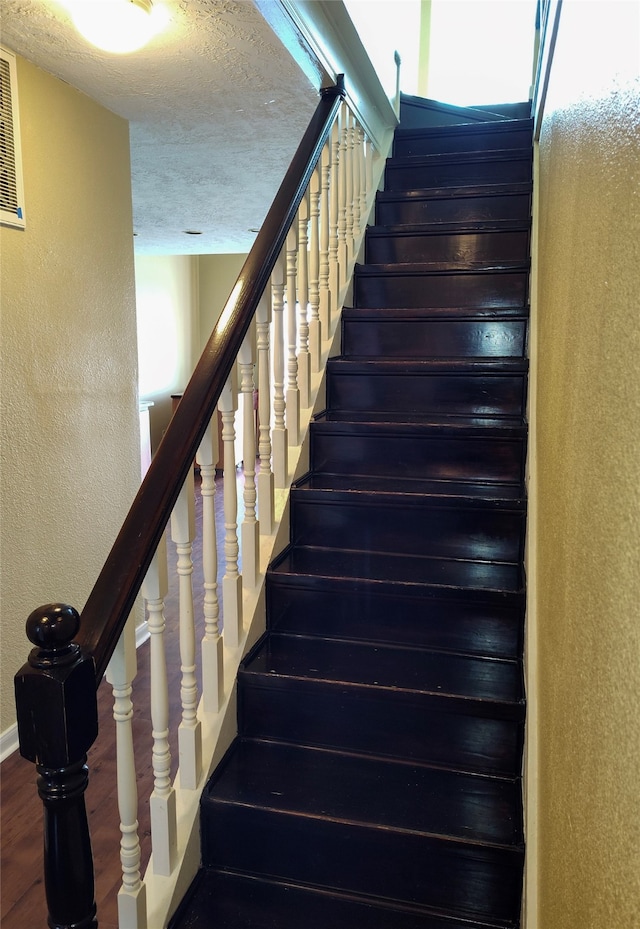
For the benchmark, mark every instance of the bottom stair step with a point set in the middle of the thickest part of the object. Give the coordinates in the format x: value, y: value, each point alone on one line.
x: 221, y: 900
x: 337, y: 822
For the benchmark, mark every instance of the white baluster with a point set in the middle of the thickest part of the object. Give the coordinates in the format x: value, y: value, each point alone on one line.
x: 183, y: 531
x: 232, y: 581
x: 350, y: 188
x: 325, y: 290
x: 212, y: 648
x: 334, y: 218
x: 363, y: 179
x: 355, y: 135
x: 279, y: 434
x: 121, y: 672
x: 369, y: 170
x: 293, y: 392
x: 250, y: 528
x: 315, y: 329
x: 162, y: 802
x: 304, y: 359
x: 266, y: 502
x: 343, y: 245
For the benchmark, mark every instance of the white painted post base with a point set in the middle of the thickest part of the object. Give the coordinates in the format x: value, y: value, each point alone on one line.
x: 266, y: 502
x: 304, y: 381
x: 190, y: 754
x: 315, y: 345
x: 280, y: 443
x: 213, y: 680
x: 132, y: 909
x: 232, y: 609
x: 292, y: 415
x: 163, y: 832
x: 250, y: 553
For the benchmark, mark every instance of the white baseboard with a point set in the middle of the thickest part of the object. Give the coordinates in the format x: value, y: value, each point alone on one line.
x: 8, y: 741
x: 142, y: 633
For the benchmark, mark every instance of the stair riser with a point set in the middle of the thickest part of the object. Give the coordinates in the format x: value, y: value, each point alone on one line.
x: 400, y: 176
x: 362, y: 612
x: 410, y: 456
x: 447, y: 731
x: 431, y: 142
x: 433, y: 338
x: 411, y: 528
x: 454, y: 247
x: 464, y: 289
x: 469, y: 394
x: 459, y: 209
x: 350, y: 858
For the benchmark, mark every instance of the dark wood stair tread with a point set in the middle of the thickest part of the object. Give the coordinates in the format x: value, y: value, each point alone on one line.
x: 460, y: 190
x: 348, y: 422
x: 461, y: 158
x: 243, y: 901
x: 436, y: 492
x: 411, y: 572
x: 412, y: 313
x: 359, y: 789
x: 463, y: 227
x: 441, y: 268
x: 363, y: 364
x: 283, y: 657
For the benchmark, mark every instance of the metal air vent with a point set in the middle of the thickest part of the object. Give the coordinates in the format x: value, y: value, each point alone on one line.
x: 11, y: 187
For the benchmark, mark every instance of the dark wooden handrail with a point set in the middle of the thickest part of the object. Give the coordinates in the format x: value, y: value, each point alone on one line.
x: 114, y: 593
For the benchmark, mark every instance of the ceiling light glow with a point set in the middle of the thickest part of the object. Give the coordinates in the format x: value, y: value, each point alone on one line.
x: 118, y: 26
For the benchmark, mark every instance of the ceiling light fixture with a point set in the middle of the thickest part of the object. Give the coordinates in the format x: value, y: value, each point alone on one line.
x: 118, y: 26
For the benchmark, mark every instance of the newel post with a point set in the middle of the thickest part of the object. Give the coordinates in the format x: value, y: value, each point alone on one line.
x: 57, y: 724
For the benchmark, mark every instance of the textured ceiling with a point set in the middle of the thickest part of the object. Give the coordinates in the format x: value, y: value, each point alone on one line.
x: 216, y: 106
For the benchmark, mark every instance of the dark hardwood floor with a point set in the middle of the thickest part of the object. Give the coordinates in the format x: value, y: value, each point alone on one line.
x: 22, y: 891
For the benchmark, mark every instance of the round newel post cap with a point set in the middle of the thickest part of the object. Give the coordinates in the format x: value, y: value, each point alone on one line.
x: 52, y: 628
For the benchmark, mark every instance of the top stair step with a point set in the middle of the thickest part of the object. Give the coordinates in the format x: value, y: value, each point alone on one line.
x: 420, y: 112
x: 457, y: 169
x: 499, y: 135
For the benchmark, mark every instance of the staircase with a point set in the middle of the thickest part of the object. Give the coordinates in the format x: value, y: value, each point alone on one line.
x: 376, y: 778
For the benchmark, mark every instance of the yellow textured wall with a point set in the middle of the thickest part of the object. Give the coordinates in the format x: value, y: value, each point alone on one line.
x: 167, y: 315
x: 217, y: 275
x: 588, y: 471
x: 70, y: 455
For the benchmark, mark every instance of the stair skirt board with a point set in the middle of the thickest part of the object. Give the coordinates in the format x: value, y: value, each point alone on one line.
x: 375, y: 782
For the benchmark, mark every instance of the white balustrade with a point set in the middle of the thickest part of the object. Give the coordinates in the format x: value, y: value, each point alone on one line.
x: 163, y: 798
x: 266, y: 502
x: 121, y: 672
x: 250, y: 528
x: 232, y: 580
x: 293, y: 391
x: 212, y: 646
x: 281, y: 361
